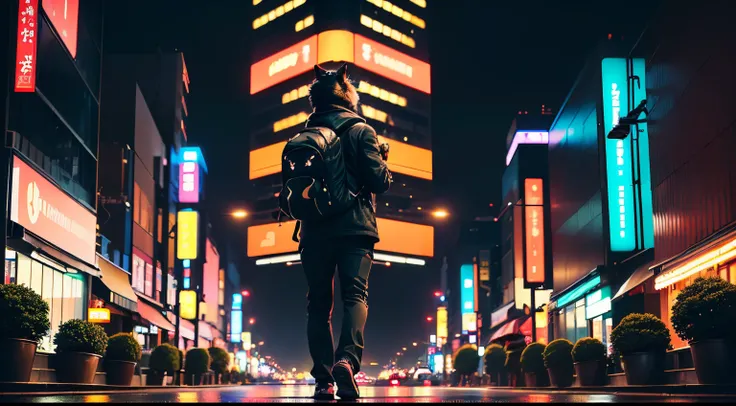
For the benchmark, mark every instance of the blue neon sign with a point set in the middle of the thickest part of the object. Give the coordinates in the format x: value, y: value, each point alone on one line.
x: 623, y: 210
x: 467, y: 289
x: 237, y: 301
x: 236, y: 325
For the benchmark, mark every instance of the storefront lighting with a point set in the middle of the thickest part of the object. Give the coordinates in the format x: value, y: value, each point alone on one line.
x: 701, y: 263
x: 377, y: 257
x: 578, y: 292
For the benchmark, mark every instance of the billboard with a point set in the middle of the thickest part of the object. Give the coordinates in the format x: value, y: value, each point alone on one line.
x: 405, y: 159
x: 467, y: 297
x: 623, y: 212
x: 392, y: 64
x: 236, y: 326
x: 188, y: 304
x: 534, y: 253
x: 45, y: 210
x: 64, y: 15
x: 187, y: 239
x: 25, y: 56
x: 189, y: 182
x: 396, y: 237
x: 211, y: 280
x: 286, y: 64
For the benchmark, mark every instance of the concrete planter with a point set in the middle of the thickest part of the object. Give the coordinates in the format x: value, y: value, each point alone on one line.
x: 16, y: 359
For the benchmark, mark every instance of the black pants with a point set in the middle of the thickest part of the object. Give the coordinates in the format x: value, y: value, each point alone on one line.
x: 353, y: 260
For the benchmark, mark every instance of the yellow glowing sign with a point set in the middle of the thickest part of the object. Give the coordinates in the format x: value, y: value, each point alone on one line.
x: 384, y: 29
x: 187, y: 235
x: 188, y: 304
x: 98, y: 315
x: 245, y: 337
x: 442, y: 323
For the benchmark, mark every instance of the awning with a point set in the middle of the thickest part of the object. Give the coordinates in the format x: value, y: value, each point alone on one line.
x: 641, y: 275
x: 116, y: 279
x: 204, y: 330
x: 59, y: 255
x: 186, y: 329
x: 154, y: 316
x: 718, y: 248
x: 501, y: 314
x: 577, y: 290
x: 521, y: 326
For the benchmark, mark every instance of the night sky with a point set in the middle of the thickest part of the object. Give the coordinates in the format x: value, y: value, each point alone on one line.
x: 489, y: 59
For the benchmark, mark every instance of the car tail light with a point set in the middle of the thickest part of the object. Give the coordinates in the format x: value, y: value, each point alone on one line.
x: 394, y: 382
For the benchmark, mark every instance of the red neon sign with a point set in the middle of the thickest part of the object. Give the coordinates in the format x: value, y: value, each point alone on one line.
x: 534, y: 230
x: 392, y: 64
x: 25, y: 55
x: 292, y: 61
x: 64, y: 15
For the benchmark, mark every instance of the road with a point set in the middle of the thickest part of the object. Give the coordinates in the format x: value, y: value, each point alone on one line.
x: 300, y: 394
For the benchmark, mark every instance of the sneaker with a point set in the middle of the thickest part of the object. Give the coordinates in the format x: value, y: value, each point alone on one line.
x: 347, y: 388
x: 324, y: 392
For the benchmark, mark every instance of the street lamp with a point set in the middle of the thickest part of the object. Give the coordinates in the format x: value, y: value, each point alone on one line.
x: 429, y: 319
x: 245, y: 293
x: 403, y: 348
x: 414, y: 344
x: 239, y: 214
x: 252, y: 321
x: 440, y: 213
x: 437, y: 293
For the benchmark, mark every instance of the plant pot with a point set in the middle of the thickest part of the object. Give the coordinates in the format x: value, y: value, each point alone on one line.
x: 76, y: 367
x: 712, y: 360
x: 155, y: 378
x: 536, y: 379
x: 119, y: 372
x: 590, y: 373
x: 560, y: 377
x: 16, y: 358
x: 644, y: 368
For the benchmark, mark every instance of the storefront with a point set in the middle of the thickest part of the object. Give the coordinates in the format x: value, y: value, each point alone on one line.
x: 715, y: 256
x: 154, y: 328
x: 51, y: 246
x: 113, y: 292
x: 583, y: 310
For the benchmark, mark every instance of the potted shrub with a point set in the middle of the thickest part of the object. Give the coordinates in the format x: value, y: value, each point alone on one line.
x: 704, y: 315
x: 642, y: 340
x: 79, y: 347
x: 532, y: 363
x: 122, y: 355
x: 589, y: 355
x: 465, y: 360
x: 558, y: 361
x: 513, y: 362
x: 197, y: 364
x: 24, y: 321
x: 220, y: 361
x: 495, y: 359
x: 165, y: 361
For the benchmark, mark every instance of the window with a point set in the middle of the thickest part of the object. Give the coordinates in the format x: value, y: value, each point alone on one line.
x: 138, y: 273
x: 295, y: 94
x: 64, y: 292
x: 375, y: 114
x: 394, y: 34
x: 290, y: 121
x: 379, y: 93
x: 142, y: 209
x: 276, y: 13
x: 159, y: 278
x: 398, y: 12
x: 581, y: 324
x: 136, y: 203
x: 305, y: 23
x: 149, y: 280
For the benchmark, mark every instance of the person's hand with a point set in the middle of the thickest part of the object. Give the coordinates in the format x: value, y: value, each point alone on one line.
x: 384, y: 151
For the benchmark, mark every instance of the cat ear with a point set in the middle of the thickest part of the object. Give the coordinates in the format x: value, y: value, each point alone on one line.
x: 319, y: 72
x: 342, y: 73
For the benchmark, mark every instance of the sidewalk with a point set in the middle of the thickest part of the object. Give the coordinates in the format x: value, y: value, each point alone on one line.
x: 51, y: 388
x: 689, y: 389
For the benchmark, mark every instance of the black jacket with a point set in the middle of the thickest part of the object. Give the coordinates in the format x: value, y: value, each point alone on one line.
x: 366, y: 171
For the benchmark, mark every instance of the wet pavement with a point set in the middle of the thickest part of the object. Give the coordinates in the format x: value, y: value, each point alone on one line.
x: 300, y: 394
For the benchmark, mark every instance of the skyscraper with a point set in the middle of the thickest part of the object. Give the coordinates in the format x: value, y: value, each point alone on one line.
x: 386, y: 46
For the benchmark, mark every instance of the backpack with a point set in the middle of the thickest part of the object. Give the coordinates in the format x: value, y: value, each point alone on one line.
x: 315, y: 183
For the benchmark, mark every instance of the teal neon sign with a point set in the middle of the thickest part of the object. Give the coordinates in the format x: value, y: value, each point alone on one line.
x: 579, y: 291
x: 630, y: 226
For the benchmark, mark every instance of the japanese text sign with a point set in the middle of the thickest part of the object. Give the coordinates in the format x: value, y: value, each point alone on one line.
x: 25, y: 56
x: 187, y: 236
x: 534, y: 231
x: 292, y: 61
x: 392, y: 64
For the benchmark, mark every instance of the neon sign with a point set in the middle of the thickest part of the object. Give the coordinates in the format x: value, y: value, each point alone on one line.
x: 534, y: 231
x: 526, y: 137
x: 467, y: 297
x: 187, y: 235
x: 25, y: 56
x: 623, y: 213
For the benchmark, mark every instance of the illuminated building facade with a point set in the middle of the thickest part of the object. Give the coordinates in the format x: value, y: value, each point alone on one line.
x: 385, y: 43
x: 525, y: 234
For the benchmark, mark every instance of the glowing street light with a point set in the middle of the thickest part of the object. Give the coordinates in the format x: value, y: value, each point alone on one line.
x: 239, y: 214
x: 440, y: 213
x: 403, y: 348
x: 430, y: 318
x: 437, y: 294
x: 245, y: 293
x: 414, y: 344
x: 252, y: 321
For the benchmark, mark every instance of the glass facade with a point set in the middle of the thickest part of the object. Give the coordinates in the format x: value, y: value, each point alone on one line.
x: 64, y: 292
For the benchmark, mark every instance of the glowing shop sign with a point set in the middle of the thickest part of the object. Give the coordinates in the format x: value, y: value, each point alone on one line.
x: 188, y: 304
x: 236, y: 326
x: 534, y: 231
x: 187, y: 236
x: 98, y: 315
x: 622, y: 211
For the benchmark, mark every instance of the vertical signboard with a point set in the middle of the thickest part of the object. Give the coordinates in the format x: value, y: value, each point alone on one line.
x: 236, y: 325
x: 467, y: 297
x: 64, y: 15
x: 25, y: 56
x: 484, y: 269
x: 247, y: 342
x: 534, y: 271
x: 188, y: 304
x: 187, y: 223
x: 627, y: 214
x: 442, y: 323
x: 189, y: 182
